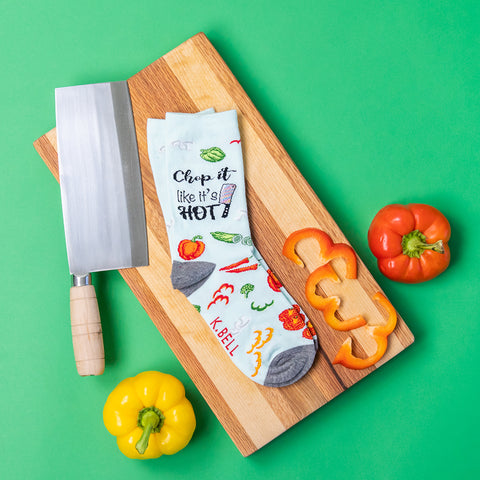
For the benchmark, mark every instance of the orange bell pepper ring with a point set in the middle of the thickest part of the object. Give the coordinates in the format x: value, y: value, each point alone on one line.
x: 328, y: 249
x: 379, y: 332
x: 329, y: 305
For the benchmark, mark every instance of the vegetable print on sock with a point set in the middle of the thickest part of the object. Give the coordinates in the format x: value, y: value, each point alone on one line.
x: 214, y: 262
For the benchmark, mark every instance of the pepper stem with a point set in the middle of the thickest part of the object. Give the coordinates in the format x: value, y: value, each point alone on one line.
x: 413, y: 244
x: 151, y: 420
x: 194, y: 239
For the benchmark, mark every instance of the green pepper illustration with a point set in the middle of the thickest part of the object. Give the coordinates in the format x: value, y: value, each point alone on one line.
x: 226, y: 237
x: 212, y: 154
x: 258, y: 308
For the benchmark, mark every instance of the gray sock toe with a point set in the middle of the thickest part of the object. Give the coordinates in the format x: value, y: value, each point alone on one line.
x: 289, y: 366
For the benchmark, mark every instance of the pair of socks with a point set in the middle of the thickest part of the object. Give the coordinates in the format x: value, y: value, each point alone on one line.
x: 197, y: 165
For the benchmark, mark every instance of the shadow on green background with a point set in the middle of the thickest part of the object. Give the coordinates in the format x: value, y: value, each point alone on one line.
x: 376, y: 102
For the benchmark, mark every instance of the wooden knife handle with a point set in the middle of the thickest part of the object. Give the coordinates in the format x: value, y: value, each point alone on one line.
x: 86, y: 331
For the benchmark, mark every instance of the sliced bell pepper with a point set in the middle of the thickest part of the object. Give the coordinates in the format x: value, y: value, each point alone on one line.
x: 328, y: 249
x: 380, y: 334
x: 329, y: 305
x: 389, y: 327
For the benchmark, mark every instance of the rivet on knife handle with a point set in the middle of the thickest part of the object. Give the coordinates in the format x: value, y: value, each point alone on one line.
x: 86, y: 327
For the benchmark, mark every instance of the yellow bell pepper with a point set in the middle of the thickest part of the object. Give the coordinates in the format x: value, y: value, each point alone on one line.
x: 149, y: 415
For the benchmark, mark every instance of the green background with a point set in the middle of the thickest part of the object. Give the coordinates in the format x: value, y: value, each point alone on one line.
x: 377, y: 102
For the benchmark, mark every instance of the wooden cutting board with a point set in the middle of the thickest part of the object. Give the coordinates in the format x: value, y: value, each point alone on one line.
x: 190, y: 78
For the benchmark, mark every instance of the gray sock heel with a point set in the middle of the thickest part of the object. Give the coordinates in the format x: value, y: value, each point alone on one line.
x: 190, y: 276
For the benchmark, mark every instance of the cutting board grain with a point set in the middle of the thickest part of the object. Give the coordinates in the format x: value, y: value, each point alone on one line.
x: 190, y: 78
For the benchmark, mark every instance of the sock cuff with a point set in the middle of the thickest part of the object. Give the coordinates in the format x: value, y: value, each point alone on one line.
x: 225, y: 122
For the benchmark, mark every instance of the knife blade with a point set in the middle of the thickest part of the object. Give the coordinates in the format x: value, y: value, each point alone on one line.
x: 102, y: 201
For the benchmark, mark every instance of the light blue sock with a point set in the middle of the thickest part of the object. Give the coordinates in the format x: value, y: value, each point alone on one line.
x: 198, y: 169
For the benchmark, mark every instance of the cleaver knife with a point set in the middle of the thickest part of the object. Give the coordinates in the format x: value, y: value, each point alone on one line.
x: 102, y: 201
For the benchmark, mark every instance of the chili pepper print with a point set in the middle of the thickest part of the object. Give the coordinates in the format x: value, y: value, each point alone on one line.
x: 257, y: 341
x: 379, y: 333
x: 256, y: 346
x: 292, y: 318
x: 235, y: 141
x: 224, y: 286
x: 236, y: 264
x: 259, y: 308
x: 258, y: 363
x: 243, y: 269
x: 233, y: 267
x: 328, y: 249
x: 259, y: 335
x: 268, y: 337
x: 218, y: 296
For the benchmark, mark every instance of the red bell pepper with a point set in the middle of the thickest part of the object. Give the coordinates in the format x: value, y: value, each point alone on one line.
x: 410, y: 242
